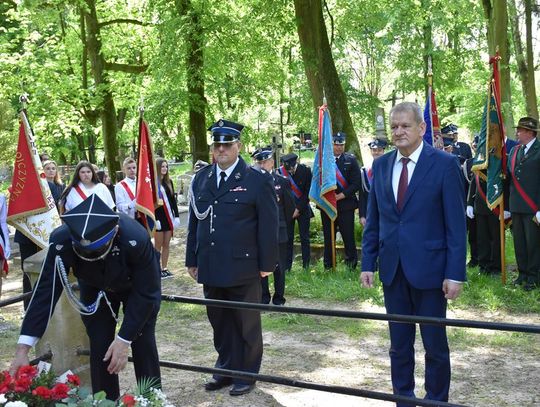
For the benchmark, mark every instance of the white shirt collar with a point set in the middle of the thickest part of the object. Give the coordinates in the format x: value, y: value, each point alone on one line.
x: 130, y: 181
x: 415, y: 155
x: 228, y: 171
x: 529, y: 144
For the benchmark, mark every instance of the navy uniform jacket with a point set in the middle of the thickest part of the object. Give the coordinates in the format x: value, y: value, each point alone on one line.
x: 462, y: 150
x: 131, y: 269
x: 286, y: 206
x: 348, y: 165
x: 239, y: 238
x: 302, y: 178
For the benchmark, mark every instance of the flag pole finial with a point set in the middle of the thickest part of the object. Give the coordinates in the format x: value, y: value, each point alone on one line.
x: 324, y: 101
x: 23, y: 99
x: 141, y: 107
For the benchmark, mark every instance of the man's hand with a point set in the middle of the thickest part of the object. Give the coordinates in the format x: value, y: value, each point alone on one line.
x: 264, y: 273
x: 451, y: 289
x: 20, y: 359
x: 192, y: 271
x: 366, y: 278
x: 363, y: 221
x: 507, y: 215
x: 296, y: 214
x: 340, y: 196
x: 118, y: 356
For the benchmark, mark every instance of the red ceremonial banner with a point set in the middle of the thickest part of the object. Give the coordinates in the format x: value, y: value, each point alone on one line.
x: 147, y: 188
x: 25, y: 197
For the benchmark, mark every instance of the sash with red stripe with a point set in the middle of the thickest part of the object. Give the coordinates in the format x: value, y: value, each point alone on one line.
x: 341, y: 179
x: 128, y: 189
x: 80, y: 192
x: 296, y: 191
x: 518, y: 186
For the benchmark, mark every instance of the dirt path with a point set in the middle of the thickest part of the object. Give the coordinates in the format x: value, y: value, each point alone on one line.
x: 486, y: 372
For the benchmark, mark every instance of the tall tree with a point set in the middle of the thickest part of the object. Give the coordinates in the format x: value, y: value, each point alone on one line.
x: 524, y: 59
x: 193, y: 36
x: 320, y: 68
x: 496, y: 15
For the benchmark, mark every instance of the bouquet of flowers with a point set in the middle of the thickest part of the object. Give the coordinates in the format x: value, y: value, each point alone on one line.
x: 28, y: 388
x: 31, y: 388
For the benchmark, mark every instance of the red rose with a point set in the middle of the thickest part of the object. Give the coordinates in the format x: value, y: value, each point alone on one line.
x: 74, y: 379
x: 5, y: 382
x: 128, y: 400
x: 43, y: 392
x: 22, y: 384
x: 26, y: 371
x: 59, y: 391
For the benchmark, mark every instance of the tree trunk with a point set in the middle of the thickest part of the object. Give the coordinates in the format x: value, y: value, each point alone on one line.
x: 530, y: 92
x: 497, y: 26
x: 193, y: 35
x: 107, y: 110
x: 320, y: 69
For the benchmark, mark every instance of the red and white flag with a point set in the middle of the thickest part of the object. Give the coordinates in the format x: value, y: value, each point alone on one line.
x: 147, y: 188
x: 31, y: 207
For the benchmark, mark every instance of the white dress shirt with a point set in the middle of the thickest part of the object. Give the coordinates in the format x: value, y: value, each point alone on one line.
x: 528, y: 145
x: 398, y: 166
x: 228, y: 172
x: 74, y: 198
x: 124, y: 203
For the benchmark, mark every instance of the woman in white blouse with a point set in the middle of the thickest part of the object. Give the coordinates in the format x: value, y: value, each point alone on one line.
x: 84, y: 183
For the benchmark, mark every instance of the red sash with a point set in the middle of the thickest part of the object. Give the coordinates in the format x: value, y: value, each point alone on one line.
x: 80, y: 192
x: 296, y: 191
x: 128, y: 189
x: 341, y: 179
x: 518, y: 186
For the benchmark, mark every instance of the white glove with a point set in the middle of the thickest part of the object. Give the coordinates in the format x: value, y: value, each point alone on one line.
x: 470, y: 212
x: 176, y: 223
x: 507, y: 215
x: 158, y: 225
x: 538, y: 216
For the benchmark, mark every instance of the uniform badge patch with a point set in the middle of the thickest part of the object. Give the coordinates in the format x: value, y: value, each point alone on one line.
x: 133, y: 243
x: 59, y: 247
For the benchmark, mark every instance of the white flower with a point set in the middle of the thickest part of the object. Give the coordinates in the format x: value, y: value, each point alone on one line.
x: 3, y: 399
x: 16, y: 404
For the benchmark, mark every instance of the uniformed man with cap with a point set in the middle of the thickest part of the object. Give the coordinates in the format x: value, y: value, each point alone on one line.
x: 459, y: 148
x: 348, y: 182
x: 299, y: 176
x: 115, y: 264
x: 524, y: 175
x: 264, y: 158
x: 232, y: 242
x: 376, y: 148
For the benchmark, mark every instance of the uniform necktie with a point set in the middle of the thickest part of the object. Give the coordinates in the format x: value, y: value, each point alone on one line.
x: 222, y: 176
x: 403, y: 182
x: 521, y: 151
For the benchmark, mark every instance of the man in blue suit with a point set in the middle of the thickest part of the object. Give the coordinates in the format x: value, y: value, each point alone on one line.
x: 416, y: 230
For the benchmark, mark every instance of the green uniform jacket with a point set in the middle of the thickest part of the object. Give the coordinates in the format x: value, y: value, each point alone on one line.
x: 527, y: 173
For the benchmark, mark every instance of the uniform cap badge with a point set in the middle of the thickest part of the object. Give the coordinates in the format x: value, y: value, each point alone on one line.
x: 133, y: 243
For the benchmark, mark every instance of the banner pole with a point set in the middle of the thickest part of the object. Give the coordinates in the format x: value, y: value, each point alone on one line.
x: 502, y: 239
x: 333, y: 235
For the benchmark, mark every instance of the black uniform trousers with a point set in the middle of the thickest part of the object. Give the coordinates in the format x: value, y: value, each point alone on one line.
x: 489, y: 243
x: 345, y: 224
x: 472, y: 239
x: 303, y: 231
x: 27, y: 250
x: 527, y: 246
x: 237, y: 332
x: 279, y: 279
x: 100, y: 328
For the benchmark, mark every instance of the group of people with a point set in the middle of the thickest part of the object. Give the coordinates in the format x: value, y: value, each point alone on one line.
x: 411, y: 202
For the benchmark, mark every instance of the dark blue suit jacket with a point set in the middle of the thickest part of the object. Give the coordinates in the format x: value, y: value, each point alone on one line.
x: 429, y: 236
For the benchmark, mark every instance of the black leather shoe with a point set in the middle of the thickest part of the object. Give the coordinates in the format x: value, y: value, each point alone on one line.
x: 472, y: 263
x: 214, y: 384
x: 518, y: 281
x: 529, y: 286
x: 241, y: 389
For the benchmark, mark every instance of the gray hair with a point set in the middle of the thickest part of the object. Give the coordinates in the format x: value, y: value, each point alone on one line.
x: 406, y: 107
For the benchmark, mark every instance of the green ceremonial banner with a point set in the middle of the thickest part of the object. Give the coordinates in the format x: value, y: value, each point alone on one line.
x: 488, y: 161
